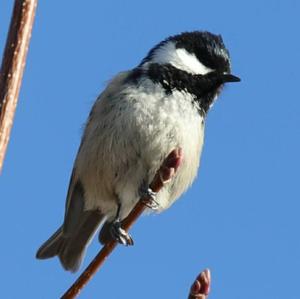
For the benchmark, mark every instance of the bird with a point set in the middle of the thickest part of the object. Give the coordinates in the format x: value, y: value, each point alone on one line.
x: 140, y: 117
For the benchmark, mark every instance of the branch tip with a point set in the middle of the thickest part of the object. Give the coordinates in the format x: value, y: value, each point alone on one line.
x: 201, y: 286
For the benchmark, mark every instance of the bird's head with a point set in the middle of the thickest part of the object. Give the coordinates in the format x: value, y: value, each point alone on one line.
x: 199, y: 57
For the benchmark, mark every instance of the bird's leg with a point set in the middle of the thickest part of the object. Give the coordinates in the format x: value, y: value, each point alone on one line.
x: 148, y: 196
x: 118, y: 233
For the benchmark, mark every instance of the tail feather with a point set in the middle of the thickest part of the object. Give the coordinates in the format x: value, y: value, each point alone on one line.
x: 70, y: 248
x: 52, y: 246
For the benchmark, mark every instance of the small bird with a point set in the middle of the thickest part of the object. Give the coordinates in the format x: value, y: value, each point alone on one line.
x: 141, y: 116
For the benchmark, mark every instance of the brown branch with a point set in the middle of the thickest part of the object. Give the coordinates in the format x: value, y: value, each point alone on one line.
x: 201, y: 286
x: 163, y: 175
x: 12, y: 68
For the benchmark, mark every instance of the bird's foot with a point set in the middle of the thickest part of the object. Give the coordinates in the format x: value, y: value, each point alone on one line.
x: 120, y: 234
x: 149, y: 198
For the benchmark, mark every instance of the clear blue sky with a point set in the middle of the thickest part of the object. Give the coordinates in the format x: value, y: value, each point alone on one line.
x: 241, y: 216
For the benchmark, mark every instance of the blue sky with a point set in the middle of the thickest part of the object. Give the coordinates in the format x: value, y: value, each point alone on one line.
x: 241, y: 216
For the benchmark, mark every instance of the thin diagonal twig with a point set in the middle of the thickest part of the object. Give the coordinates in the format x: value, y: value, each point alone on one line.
x: 163, y: 175
x: 12, y: 68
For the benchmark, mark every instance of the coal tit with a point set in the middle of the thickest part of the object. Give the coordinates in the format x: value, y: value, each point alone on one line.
x: 141, y: 116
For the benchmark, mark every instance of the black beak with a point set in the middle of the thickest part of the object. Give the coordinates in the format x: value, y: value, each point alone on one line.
x: 229, y: 78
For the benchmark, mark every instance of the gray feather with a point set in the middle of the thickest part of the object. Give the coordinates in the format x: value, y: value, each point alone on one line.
x: 52, y: 246
x: 69, y: 242
x: 73, y: 248
x: 105, y: 234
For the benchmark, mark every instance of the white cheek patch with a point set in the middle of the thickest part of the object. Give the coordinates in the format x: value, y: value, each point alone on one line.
x: 191, y: 62
x: 179, y: 58
x: 164, y: 54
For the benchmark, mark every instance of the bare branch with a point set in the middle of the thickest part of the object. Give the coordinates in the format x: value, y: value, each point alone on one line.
x: 163, y: 175
x: 12, y: 68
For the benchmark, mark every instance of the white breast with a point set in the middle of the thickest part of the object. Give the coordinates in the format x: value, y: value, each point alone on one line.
x: 166, y: 122
x: 129, y: 134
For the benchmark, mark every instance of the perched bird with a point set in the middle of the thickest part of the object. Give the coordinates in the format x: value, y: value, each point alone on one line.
x: 141, y: 116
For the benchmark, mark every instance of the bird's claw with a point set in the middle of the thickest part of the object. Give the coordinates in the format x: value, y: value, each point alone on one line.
x: 149, y: 198
x: 120, y: 235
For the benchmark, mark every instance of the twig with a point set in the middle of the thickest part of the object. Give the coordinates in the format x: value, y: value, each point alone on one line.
x: 163, y: 175
x: 201, y: 286
x: 12, y: 68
